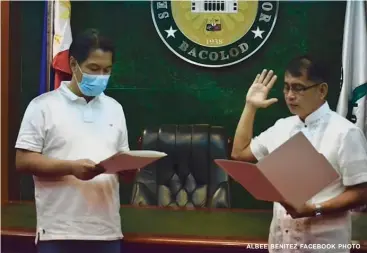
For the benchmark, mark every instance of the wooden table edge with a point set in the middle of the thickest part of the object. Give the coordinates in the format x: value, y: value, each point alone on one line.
x: 182, y: 240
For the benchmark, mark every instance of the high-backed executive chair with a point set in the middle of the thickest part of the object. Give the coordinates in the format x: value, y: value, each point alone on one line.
x: 187, y: 177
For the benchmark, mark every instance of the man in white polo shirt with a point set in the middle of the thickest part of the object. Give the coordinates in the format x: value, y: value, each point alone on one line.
x: 63, y: 135
x: 325, y: 219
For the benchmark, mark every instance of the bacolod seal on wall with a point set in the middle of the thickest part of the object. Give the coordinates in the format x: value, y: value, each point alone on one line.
x: 214, y: 33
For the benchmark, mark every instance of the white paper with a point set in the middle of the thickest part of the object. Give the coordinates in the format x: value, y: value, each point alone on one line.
x: 145, y: 153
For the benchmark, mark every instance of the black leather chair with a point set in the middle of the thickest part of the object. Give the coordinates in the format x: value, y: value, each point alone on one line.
x: 187, y: 177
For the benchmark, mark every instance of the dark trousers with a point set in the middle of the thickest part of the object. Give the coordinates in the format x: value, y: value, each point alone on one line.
x: 76, y: 246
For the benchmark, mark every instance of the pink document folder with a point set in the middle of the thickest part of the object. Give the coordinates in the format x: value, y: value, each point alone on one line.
x: 294, y: 173
x: 130, y: 160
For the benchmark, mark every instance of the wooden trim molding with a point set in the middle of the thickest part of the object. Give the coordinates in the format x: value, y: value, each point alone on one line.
x: 5, y: 9
x: 14, y: 92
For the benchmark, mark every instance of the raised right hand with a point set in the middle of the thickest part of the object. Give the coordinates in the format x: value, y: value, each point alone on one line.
x: 259, y: 90
x: 85, y: 169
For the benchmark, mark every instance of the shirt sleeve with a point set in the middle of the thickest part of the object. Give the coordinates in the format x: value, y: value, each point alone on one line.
x: 352, y: 156
x: 260, y: 144
x: 123, y: 143
x: 32, y: 132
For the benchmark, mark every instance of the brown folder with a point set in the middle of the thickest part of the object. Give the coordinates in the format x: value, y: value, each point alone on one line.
x: 294, y: 173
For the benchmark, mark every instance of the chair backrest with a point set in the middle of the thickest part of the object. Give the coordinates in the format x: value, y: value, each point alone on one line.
x: 187, y: 176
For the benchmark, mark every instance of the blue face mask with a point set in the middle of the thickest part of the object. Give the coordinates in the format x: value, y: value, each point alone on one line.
x: 93, y: 85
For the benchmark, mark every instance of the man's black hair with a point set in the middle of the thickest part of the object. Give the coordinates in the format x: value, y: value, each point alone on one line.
x: 88, y: 41
x: 313, y: 69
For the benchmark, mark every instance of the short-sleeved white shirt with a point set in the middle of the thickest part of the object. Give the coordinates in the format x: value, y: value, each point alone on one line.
x: 345, y: 147
x: 61, y: 125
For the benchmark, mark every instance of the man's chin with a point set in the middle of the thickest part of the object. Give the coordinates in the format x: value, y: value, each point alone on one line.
x: 293, y: 113
x: 296, y: 112
x: 292, y: 110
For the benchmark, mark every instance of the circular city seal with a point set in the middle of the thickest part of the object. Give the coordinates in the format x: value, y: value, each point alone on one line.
x: 214, y: 33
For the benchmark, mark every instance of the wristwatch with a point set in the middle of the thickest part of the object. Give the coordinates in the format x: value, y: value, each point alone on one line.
x: 318, y: 210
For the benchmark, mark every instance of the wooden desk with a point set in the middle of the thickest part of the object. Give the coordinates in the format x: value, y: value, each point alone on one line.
x: 165, y: 230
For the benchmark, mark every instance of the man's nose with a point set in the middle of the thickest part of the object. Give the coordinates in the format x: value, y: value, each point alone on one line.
x: 290, y: 94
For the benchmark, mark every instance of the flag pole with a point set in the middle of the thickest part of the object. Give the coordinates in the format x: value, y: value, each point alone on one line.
x: 50, y: 32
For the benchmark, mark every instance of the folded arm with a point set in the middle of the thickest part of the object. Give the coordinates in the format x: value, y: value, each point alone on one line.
x: 352, y: 197
x: 352, y: 156
x: 30, y: 143
x: 352, y: 160
x: 40, y: 165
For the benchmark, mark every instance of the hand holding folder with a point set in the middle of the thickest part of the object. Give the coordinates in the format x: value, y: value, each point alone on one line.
x: 292, y: 173
x: 130, y: 160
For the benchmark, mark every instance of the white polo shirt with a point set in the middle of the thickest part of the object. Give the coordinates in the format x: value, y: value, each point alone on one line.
x: 345, y: 147
x: 61, y: 125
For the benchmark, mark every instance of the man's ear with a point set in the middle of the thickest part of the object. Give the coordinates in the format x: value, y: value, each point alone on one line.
x: 73, y: 64
x: 324, y: 88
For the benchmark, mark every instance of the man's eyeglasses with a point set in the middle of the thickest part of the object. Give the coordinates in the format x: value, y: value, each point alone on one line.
x: 298, y: 88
